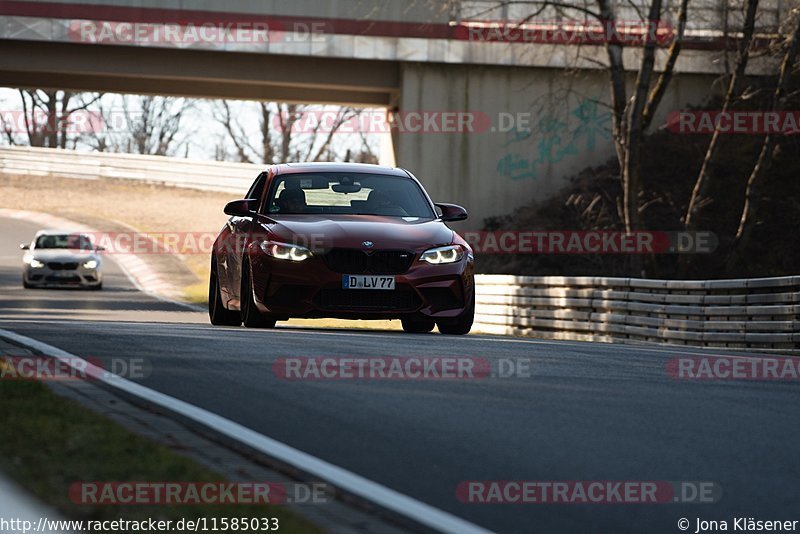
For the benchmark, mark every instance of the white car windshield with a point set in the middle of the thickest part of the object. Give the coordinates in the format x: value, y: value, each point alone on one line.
x: 66, y: 241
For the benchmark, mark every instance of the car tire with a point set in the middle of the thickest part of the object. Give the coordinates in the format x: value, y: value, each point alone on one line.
x: 418, y: 325
x: 25, y: 284
x: 251, y: 317
x: 462, y: 324
x: 98, y: 287
x: 219, y: 315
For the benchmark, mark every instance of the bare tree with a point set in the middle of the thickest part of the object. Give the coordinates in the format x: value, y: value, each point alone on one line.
x: 154, y: 125
x: 632, y: 114
x: 50, y: 118
x: 699, y: 197
x: 322, y: 151
x: 110, y: 130
x: 284, y: 133
x: 287, y: 118
x: 769, y: 146
x: 365, y: 154
x: 246, y: 150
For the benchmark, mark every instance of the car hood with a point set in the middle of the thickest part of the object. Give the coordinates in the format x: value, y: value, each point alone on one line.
x: 62, y: 254
x: 350, y: 231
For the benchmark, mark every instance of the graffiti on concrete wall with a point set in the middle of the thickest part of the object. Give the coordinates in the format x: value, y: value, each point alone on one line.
x: 550, y: 139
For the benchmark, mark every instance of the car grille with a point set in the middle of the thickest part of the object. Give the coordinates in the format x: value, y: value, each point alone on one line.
x: 354, y: 261
x: 63, y: 280
x: 367, y: 299
x: 58, y: 266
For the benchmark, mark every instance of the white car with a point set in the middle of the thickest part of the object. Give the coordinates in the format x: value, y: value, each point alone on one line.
x: 57, y: 258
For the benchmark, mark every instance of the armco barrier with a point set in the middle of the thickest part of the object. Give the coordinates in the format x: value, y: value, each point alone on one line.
x: 178, y: 172
x: 761, y: 314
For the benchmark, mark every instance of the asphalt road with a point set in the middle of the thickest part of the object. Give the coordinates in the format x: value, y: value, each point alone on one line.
x: 587, y: 412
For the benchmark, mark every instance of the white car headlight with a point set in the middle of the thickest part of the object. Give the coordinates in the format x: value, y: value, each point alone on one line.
x: 440, y: 255
x: 90, y: 264
x: 285, y: 251
x: 36, y: 264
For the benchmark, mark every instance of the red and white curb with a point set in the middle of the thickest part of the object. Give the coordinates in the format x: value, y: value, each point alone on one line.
x: 145, y: 278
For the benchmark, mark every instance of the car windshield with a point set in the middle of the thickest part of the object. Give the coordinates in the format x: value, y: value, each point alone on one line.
x: 348, y: 194
x: 71, y: 241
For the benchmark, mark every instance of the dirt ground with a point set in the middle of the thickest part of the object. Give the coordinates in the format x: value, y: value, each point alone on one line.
x: 147, y: 207
x: 120, y: 206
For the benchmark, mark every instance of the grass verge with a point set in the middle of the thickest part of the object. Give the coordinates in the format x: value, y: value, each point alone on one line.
x: 48, y: 443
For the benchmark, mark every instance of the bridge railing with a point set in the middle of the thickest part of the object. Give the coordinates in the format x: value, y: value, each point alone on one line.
x: 234, y: 178
x: 757, y: 314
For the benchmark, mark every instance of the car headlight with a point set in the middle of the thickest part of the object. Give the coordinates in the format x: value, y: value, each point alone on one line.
x: 90, y: 264
x: 284, y: 251
x: 439, y: 255
x: 36, y: 264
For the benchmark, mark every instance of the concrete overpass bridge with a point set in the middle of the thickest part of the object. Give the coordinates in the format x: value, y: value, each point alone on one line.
x: 539, y: 88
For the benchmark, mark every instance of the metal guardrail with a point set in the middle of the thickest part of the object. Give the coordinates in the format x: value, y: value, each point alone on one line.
x: 177, y: 172
x: 757, y: 314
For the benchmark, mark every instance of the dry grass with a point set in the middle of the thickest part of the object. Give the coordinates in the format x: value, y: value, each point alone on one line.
x: 48, y: 442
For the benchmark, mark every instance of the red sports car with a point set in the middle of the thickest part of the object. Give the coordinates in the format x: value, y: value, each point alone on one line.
x: 349, y: 241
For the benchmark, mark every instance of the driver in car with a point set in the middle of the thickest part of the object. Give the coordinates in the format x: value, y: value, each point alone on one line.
x: 292, y: 201
x: 381, y: 203
x: 379, y: 199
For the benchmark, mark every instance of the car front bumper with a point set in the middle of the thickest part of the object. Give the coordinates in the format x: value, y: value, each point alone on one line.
x: 309, y: 289
x: 46, y: 277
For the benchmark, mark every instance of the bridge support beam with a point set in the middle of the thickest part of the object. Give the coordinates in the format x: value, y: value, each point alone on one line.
x: 198, y: 73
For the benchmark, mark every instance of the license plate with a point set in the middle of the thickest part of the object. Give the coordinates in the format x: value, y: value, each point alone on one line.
x: 359, y: 281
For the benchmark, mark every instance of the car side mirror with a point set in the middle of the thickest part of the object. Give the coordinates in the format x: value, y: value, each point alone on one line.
x: 452, y: 212
x: 99, y: 248
x: 23, y: 246
x: 241, y: 208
